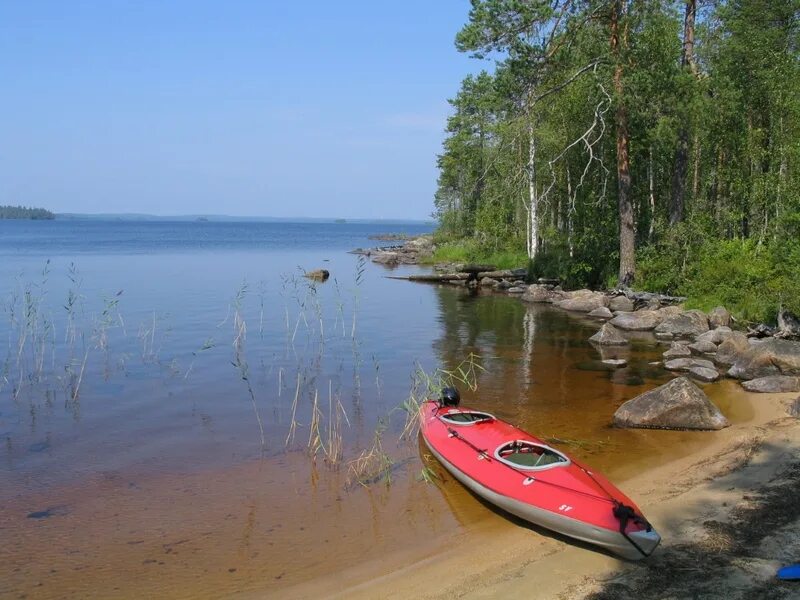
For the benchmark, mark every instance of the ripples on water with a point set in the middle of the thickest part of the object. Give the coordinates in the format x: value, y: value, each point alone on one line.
x: 132, y: 458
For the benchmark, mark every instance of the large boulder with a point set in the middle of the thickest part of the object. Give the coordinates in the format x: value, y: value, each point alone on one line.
x: 641, y: 320
x: 686, y: 324
x: 731, y: 348
x: 620, y: 303
x: 678, y: 404
x: 608, y: 336
x: 772, y: 357
x: 773, y: 384
x: 719, y: 317
x: 583, y: 301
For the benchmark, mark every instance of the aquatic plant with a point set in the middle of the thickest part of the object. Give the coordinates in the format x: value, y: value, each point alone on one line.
x: 240, y: 358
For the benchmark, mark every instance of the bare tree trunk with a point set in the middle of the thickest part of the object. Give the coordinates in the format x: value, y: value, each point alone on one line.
x: 570, y: 210
x: 627, y: 233
x: 678, y: 195
x: 652, y: 194
x: 696, y: 177
x: 533, y: 200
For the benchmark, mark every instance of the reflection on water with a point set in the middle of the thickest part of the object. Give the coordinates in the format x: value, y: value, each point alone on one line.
x: 151, y: 480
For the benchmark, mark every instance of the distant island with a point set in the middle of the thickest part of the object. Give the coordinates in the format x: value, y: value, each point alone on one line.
x: 22, y: 212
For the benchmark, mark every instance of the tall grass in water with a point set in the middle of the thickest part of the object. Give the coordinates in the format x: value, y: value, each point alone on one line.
x: 425, y: 386
x: 240, y: 358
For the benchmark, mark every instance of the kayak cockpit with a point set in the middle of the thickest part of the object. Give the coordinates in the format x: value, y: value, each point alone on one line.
x: 523, y: 454
x: 465, y: 417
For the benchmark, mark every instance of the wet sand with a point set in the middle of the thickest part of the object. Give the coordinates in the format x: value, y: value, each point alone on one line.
x: 727, y: 513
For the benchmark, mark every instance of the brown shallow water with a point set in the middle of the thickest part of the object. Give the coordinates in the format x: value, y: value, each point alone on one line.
x: 254, y: 526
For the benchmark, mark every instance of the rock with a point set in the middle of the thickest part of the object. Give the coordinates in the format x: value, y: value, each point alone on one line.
x: 664, y: 336
x: 734, y: 345
x: 504, y: 284
x: 670, y: 311
x: 541, y: 293
x: 684, y: 364
x: 517, y: 290
x: 686, y: 324
x: 719, y: 317
x: 487, y: 282
x: 386, y: 258
x: 773, y: 384
x: 703, y: 348
x: 677, y: 351
x: 317, y: 275
x: 601, y: 313
x: 608, y: 336
x: 621, y: 303
x: 678, y: 404
x: 703, y: 374
x: 642, y: 320
x: 615, y: 362
x: 772, y: 357
x: 583, y: 301
x: 715, y: 336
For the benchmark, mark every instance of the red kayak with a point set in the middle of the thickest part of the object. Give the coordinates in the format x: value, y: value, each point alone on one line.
x: 524, y: 476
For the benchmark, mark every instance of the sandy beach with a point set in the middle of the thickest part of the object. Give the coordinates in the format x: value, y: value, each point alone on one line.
x: 728, y: 515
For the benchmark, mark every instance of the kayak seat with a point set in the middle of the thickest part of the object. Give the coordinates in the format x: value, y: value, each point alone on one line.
x: 529, y: 455
x: 465, y: 417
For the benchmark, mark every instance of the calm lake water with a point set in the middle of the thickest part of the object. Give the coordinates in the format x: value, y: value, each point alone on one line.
x: 140, y: 357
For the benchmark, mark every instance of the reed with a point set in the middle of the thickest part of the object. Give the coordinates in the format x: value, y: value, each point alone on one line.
x: 240, y: 358
x: 373, y: 464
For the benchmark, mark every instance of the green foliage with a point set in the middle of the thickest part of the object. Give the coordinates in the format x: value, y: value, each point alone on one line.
x: 21, y: 212
x: 734, y: 113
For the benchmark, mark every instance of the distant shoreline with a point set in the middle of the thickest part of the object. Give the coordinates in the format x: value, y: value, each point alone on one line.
x: 235, y: 219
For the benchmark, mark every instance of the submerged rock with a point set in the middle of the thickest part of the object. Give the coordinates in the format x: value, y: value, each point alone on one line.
x: 601, y: 313
x: 773, y: 384
x: 615, y: 362
x: 678, y: 404
x: 318, y: 275
x: 608, y: 336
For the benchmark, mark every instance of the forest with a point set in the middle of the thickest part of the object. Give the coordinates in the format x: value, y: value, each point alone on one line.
x: 648, y: 144
x: 21, y: 212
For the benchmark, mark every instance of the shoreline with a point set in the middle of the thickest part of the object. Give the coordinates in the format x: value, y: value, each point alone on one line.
x: 678, y: 497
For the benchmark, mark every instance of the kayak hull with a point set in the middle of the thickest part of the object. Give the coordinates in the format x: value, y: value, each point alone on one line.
x: 536, y: 495
x: 612, y: 541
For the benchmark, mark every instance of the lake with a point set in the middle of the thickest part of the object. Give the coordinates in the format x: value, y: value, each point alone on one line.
x: 183, y: 414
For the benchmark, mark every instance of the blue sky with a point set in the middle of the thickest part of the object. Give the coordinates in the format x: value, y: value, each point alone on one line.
x: 308, y: 109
